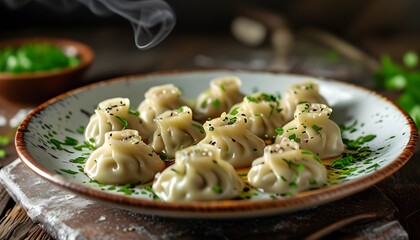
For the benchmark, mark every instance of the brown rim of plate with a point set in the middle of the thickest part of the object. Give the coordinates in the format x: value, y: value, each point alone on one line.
x: 303, y: 199
x: 83, y: 51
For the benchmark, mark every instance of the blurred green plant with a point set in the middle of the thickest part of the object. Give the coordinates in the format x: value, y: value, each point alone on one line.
x: 403, y: 78
x: 4, y: 140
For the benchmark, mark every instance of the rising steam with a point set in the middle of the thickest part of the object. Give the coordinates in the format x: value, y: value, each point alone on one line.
x: 152, y: 20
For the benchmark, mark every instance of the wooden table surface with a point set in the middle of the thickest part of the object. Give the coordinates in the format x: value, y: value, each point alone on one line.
x: 117, y: 56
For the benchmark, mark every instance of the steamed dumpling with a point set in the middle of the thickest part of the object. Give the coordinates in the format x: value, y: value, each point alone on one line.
x: 157, y: 100
x: 123, y: 159
x: 285, y: 169
x: 237, y: 145
x: 176, y: 130
x: 111, y: 115
x: 264, y: 113
x: 307, y: 92
x: 198, y: 175
x: 220, y: 97
x: 314, y: 131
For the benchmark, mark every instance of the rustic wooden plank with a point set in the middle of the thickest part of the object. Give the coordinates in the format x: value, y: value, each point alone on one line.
x: 17, y: 225
x: 68, y: 216
x: 4, y: 200
x: 37, y: 233
x: 403, y: 189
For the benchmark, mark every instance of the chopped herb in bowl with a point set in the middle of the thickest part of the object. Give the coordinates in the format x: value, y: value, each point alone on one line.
x: 35, y: 69
x: 35, y: 57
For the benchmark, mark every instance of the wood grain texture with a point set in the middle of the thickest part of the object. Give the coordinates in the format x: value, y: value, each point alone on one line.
x: 4, y: 200
x: 14, y: 222
x: 17, y: 225
x: 403, y: 189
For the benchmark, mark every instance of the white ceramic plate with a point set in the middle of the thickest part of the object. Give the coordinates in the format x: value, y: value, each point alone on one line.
x: 40, y: 137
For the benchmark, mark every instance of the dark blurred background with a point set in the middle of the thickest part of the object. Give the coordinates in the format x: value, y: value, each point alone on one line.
x: 202, y: 35
x: 349, y: 18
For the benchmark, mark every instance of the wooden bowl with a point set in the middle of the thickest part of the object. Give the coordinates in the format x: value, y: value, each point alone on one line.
x: 36, y: 87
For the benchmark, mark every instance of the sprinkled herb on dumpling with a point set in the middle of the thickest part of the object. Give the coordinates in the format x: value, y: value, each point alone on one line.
x: 124, y: 158
x: 176, y: 130
x: 220, y: 97
x: 286, y: 169
x: 158, y: 100
x: 237, y: 145
x: 307, y: 92
x: 264, y: 113
x: 198, y: 175
x: 112, y: 115
x: 314, y: 131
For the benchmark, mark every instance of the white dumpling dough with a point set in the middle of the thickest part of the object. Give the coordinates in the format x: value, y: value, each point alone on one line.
x: 223, y: 93
x: 198, y: 175
x: 176, y: 130
x: 314, y: 131
x: 123, y: 159
x: 157, y: 100
x: 285, y: 169
x: 264, y: 113
x: 307, y: 92
x: 237, y: 144
x: 109, y: 116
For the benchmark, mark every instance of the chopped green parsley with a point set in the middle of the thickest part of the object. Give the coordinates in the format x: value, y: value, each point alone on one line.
x: 122, y: 121
x: 215, y: 103
x: 316, y: 127
x: 217, y: 189
x: 134, y: 112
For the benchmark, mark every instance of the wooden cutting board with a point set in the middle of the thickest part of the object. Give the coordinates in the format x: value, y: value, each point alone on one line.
x: 66, y: 215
